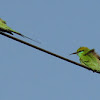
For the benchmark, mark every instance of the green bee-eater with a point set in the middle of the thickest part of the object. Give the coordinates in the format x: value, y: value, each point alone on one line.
x: 89, y: 58
x: 5, y: 28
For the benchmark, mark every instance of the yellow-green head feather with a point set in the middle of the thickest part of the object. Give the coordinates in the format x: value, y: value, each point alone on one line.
x: 82, y: 51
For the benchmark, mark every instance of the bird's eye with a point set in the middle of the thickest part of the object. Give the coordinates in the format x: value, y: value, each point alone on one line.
x: 81, y: 50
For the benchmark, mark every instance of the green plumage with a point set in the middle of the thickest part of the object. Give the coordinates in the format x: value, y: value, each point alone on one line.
x: 89, y: 58
x: 5, y: 28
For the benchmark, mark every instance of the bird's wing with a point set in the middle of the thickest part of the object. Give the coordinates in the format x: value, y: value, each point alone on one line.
x: 92, y: 51
x: 5, y: 30
x: 95, y: 54
x: 4, y: 27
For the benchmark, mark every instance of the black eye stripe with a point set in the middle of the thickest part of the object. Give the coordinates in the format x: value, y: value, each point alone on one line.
x: 81, y: 50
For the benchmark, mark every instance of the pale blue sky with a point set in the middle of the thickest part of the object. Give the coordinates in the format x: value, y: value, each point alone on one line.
x: 62, y: 26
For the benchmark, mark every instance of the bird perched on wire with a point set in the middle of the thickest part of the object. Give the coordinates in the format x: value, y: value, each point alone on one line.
x: 89, y: 58
x: 5, y: 28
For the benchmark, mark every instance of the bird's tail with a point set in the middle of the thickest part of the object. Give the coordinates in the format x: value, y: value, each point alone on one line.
x: 26, y: 37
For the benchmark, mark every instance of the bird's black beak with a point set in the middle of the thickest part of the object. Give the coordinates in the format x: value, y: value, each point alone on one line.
x: 73, y: 53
